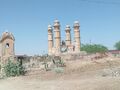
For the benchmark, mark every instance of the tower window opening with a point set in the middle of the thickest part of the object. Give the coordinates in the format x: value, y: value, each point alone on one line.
x: 7, y: 45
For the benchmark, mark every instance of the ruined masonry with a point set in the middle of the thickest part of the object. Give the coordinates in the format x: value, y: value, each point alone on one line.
x: 7, y: 50
x: 56, y: 47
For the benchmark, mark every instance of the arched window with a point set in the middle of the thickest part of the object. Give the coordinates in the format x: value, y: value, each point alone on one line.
x: 7, y: 45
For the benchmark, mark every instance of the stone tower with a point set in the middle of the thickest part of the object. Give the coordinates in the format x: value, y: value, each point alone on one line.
x: 55, y: 47
x: 57, y: 36
x: 68, y: 35
x: 77, y: 36
x: 50, y: 39
x: 7, y: 47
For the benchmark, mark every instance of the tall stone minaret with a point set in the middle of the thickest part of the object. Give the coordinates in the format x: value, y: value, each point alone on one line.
x: 57, y: 36
x: 77, y: 36
x: 68, y: 35
x: 50, y: 39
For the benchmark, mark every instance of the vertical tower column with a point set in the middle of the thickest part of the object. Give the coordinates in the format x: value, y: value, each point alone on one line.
x: 77, y: 36
x: 50, y: 39
x: 57, y: 36
x: 6, y: 48
x: 68, y: 35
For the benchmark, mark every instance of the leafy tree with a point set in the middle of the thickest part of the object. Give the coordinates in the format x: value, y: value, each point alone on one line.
x: 93, y: 48
x: 117, y: 45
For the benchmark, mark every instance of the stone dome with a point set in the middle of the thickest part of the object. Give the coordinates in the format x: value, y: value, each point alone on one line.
x: 56, y: 23
x: 49, y: 26
x: 67, y: 26
x: 6, y: 35
x: 76, y: 24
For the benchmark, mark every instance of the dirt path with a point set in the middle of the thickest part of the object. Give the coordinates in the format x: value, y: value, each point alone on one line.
x: 97, y: 83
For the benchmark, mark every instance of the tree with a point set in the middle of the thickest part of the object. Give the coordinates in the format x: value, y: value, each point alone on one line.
x: 117, y: 45
x: 93, y: 48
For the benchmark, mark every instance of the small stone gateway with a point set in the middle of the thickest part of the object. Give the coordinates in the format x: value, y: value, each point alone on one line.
x: 55, y: 47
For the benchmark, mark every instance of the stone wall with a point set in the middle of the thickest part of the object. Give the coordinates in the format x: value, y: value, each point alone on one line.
x: 38, y: 62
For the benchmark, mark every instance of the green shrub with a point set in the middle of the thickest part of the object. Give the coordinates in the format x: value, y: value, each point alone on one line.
x: 13, y: 69
x: 94, y: 48
x: 59, y: 70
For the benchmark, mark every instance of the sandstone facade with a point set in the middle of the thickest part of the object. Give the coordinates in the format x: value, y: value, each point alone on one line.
x: 7, y: 50
x: 55, y: 46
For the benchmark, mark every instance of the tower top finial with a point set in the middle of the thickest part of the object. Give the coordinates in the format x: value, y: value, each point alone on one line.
x: 76, y: 24
x: 49, y: 27
x: 56, y: 22
x: 67, y: 27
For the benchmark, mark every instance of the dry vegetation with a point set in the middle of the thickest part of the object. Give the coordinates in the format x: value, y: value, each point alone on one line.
x: 101, y: 74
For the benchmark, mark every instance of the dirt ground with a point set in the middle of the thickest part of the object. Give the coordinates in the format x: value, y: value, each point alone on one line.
x: 77, y: 75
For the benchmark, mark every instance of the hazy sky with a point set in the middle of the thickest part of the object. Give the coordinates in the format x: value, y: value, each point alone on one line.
x: 28, y: 21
